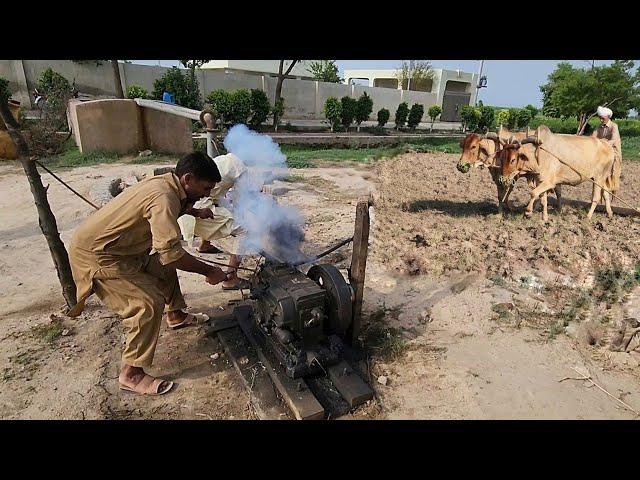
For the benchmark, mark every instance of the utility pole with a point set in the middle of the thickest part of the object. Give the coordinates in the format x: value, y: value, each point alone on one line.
x: 482, y: 82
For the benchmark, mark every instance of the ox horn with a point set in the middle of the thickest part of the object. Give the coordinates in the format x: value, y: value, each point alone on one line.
x: 513, y: 141
x: 534, y: 140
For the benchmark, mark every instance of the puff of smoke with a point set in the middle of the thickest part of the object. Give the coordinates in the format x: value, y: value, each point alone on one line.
x: 271, y: 228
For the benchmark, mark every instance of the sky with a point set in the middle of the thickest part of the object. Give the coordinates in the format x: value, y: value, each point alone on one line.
x: 510, y: 83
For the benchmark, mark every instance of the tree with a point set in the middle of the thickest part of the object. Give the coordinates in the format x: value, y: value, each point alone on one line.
x: 433, y: 112
x: 349, y: 110
x: 523, y: 117
x: 364, y: 108
x: 185, y: 90
x: 46, y: 218
x: 278, y: 108
x: 487, y: 116
x: 383, y: 117
x: 401, y: 115
x: 240, y: 106
x: 416, y: 74
x: 512, y: 122
x: 534, y: 111
x: 333, y: 111
x: 193, y: 82
x: 470, y: 117
x: 415, y: 115
x: 502, y: 118
x: 325, y: 71
x: 577, y: 92
x: 220, y: 101
x: 260, y: 107
x: 117, y: 79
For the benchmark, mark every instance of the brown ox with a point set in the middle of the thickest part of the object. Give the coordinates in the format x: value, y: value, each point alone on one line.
x: 483, y: 151
x: 556, y: 159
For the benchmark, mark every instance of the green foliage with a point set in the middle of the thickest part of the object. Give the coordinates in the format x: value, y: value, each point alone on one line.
x: 512, y: 121
x: 278, y: 109
x: 220, y: 101
x: 333, y: 111
x: 364, y: 107
x: 325, y: 71
x: 534, y: 111
x: 383, y: 117
x: 576, y: 92
x: 523, y: 117
x: 349, y: 110
x: 136, y: 91
x: 487, y: 118
x: 260, y: 107
x: 51, y: 83
x: 502, y: 117
x: 433, y: 112
x: 415, y: 115
x: 470, y: 117
x: 240, y: 106
x: 184, y: 87
x: 401, y: 115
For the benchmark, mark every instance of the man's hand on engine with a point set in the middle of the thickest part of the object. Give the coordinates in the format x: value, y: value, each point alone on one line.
x: 216, y: 275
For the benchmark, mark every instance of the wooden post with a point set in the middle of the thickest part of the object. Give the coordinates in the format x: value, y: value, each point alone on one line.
x: 359, y: 265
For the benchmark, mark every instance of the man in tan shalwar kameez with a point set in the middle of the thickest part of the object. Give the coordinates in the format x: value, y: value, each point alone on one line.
x: 608, y: 130
x: 127, y: 254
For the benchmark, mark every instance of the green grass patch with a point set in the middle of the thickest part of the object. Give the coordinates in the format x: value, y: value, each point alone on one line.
x: 48, y: 333
x: 631, y: 148
x: 304, y: 156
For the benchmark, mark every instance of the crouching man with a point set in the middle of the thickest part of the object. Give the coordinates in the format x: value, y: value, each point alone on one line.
x: 127, y: 254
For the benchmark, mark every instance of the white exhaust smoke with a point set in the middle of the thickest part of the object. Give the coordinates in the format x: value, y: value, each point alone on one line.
x: 272, y: 229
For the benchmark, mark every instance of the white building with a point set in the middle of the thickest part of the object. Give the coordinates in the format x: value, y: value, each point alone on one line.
x: 261, y: 67
x: 452, y: 88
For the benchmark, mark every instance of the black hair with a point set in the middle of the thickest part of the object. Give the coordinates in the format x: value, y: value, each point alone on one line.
x: 200, y: 164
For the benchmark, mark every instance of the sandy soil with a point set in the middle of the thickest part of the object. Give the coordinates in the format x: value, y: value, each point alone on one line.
x: 447, y: 351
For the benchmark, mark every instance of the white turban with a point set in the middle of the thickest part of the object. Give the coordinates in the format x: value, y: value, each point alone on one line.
x: 604, y: 112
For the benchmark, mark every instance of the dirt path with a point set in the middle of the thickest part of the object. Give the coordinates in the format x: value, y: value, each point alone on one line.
x: 445, y: 351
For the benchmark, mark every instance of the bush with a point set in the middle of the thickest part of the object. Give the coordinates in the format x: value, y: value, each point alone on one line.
x: 185, y: 90
x: 240, y: 106
x: 278, y: 110
x: 470, y: 117
x: 502, y: 117
x: 415, y: 115
x: 383, y: 117
x: 349, y: 111
x: 364, y: 107
x: 534, y: 111
x: 434, y: 112
x: 513, y: 119
x: 523, y: 117
x: 260, y: 107
x: 220, y: 101
x: 333, y: 111
x: 52, y: 83
x: 487, y: 118
x: 401, y: 115
x: 136, y: 91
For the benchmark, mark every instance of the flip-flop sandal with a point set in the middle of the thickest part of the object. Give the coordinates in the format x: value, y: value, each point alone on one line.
x: 149, y: 386
x: 242, y: 283
x: 190, y: 319
x: 211, y: 249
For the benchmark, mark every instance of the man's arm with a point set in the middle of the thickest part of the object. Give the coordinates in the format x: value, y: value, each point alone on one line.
x: 189, y: 263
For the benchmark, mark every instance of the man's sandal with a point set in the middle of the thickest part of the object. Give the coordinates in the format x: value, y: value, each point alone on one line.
x: 190, y: 319
x: 149, y: 386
